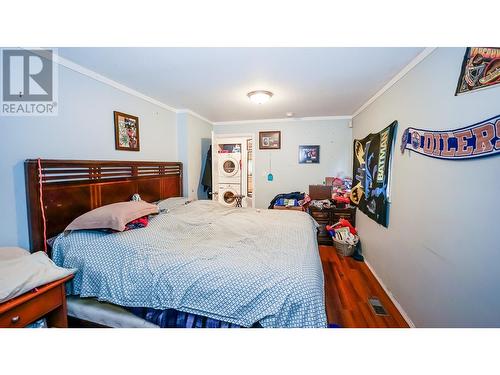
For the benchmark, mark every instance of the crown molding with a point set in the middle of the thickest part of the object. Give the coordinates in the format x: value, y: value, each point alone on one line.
x: 192, y: 113
x: 418, y: 59
x: 286, y: 119
x: 98, y: 77
x: 119, y: 86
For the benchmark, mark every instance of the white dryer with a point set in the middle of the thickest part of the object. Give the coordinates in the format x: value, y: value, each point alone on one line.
x: 227, y: 193
x: 229, y: 168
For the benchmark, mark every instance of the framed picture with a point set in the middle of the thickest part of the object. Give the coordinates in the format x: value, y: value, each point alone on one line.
x: 270, y: 140
x: 126, y: 132
x: 309, y: 154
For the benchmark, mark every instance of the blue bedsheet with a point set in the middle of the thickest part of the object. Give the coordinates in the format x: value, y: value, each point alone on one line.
x: 239, y: 266
x: 171, y: 318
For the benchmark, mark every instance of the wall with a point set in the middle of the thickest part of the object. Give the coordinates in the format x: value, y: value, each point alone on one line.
x: 82, y: 130
x: 334, y: 137
x: 440, y: 255
x: 194, y: 138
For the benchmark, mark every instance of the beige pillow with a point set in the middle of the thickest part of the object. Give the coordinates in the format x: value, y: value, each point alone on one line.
x: 8, y: 253
x: 113, y: 216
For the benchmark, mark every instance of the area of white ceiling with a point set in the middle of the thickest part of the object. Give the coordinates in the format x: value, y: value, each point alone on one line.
x: 213, y: 82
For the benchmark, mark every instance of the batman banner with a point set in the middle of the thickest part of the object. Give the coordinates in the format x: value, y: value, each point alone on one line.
x: 371, y: 168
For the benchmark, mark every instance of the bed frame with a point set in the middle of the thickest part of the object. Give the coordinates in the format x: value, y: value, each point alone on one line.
x: 72, y: 187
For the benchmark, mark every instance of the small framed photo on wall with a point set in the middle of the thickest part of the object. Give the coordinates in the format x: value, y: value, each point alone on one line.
x: 270, y: 140
x: 309, y: 154
x: 126, y: 132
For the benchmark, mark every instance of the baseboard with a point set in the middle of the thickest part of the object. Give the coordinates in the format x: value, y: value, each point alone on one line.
x: 394, y: 301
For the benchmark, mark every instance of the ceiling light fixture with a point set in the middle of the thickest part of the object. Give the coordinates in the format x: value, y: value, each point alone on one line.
x: 260, y: 96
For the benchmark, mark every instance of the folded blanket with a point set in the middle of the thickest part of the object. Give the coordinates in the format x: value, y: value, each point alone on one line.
x: 21, y: 271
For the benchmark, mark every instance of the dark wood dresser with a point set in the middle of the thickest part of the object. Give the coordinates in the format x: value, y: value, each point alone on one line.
x: 329, y: 216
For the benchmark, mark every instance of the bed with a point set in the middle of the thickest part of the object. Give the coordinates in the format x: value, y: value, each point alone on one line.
x: 234, y: 265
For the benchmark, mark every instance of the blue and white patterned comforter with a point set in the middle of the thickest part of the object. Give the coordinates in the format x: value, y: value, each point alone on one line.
x: 236, y: 265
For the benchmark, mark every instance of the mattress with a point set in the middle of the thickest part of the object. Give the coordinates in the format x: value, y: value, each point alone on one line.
x: 105, y: 314
x: 236, y: 265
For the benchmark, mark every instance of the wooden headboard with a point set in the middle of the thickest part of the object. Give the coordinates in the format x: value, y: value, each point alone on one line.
x: 72, y: 187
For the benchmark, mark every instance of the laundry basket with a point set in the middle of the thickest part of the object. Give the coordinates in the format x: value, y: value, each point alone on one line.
x: 343, y: 248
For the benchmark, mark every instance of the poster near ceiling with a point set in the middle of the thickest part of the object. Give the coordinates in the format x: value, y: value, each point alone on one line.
x: 480, y: 69
x: 371, y: 171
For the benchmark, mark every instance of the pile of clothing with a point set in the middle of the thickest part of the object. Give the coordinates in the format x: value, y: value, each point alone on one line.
x: 321, y: 204
x: 343, y: 231
x: 341, y: 189
x: 295, y: 198
x: 287, y: 202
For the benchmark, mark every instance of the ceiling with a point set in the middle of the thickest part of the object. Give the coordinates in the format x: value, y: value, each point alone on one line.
x: 213, y: 82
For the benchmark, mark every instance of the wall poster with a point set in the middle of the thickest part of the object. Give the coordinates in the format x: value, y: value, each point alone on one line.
x: 371, y: 170
x: 472, y: 141
x: 480, y: 69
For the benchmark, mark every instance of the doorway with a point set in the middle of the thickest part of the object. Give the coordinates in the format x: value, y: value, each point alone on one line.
x: 233, y: 163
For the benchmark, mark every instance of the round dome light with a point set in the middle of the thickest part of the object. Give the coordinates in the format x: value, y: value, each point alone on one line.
x: 260, y: 96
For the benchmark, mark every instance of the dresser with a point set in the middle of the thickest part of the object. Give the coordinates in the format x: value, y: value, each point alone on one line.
x: 329, y: 216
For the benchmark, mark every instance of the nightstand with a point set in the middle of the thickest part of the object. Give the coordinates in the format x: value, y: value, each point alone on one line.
x: 47, y: 301
x: 329, y: 216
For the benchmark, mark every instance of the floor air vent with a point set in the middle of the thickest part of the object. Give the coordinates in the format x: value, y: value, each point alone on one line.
x: 377, y: 306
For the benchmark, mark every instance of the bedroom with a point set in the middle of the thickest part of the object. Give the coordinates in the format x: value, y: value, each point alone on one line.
x: 274, y: 187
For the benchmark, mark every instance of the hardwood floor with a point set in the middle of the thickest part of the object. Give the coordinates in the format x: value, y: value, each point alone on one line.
x: 348, y: 285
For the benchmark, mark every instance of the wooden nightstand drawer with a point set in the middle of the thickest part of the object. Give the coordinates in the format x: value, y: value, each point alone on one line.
x: 319, y: 215
x: 349, y: 215
x: 32, y: 309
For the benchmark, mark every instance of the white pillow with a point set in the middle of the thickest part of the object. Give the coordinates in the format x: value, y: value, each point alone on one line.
x: 171, y: 203
x: 7, y: 253
x: 22, y: 273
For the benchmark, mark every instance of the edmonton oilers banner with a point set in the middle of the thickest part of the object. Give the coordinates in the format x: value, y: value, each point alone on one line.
x: 372, y: 161
x: 474, y: 141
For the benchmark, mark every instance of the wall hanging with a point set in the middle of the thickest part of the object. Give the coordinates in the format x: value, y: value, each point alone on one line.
x: 473, y: 141
x: 480, y: 69
x: 270, y: 140
x: 270, y: 176
x: 126, y: 132
x: 309, y: 154
x: 371, y: 169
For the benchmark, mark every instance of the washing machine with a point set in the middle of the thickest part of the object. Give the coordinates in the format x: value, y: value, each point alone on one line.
x: 227, y: 194
x: 229, y: 168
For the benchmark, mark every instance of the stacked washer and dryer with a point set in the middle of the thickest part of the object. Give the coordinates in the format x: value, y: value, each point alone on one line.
x: 232, y: 165
x: 229, y: 176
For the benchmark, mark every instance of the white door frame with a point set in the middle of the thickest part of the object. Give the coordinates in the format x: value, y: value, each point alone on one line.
x: 254, y: 155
